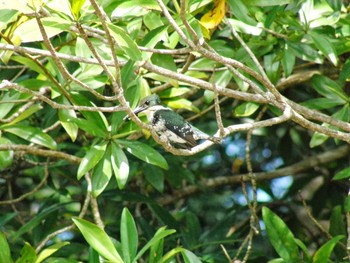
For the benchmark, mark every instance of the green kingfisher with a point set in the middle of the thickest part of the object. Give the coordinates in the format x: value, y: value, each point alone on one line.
x: 169, y: 125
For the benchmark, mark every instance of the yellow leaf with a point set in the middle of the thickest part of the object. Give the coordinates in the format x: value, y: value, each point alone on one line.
x: 213, y: 18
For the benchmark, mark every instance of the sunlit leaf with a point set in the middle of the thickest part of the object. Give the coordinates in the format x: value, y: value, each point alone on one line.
x: 144, y: 153
x: 49, y: 251
x: 98, y: 239
x: 5, y: 253
x: 101, y: 174
x: 213, y: 17
x: 323, y: 253
x: 120, y: 165
x: 91, y: 158
x: 343, y: 174
x: 128, y: 236
x: 246, y: 109
x: 32, y: 134
x: 6, y: 157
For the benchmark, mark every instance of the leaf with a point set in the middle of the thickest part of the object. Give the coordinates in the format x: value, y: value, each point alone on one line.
x: 101, y: 174
x: 91, y: 158
x: 317, y: 139
x: 322, y: 103
x: 28, y: 254
x: 35, y: 221
x: 190, y: 257
x: 98, y: 239
x: 152, y: 39
x: 29, y: 31
x: 49, y: 251
x: 120, y: 165
x: 155, y: 177
x: 328, y: 88
x: 33, y: 135
x: 6, y: 157
x: 76, y: 6
x: 160, y: 234
x: 128, y: 236
x: 5, y: 253
x: 280, y: 236
x: 268, y: 2
x: 246, y: 109
x: 213, y: 17
x: 343, y: 174
x: 288, y: 61
x: 125, y: 42
x: 182, y: 104
x: 323, y: 253
x: 241, y: 12
x: 144, y: 153
x: 25, y: 114
x: 240, y: 26
x: 325, y: 46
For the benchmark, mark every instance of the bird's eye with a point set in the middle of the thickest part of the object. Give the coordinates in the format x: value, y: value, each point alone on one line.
x: 147, y: 102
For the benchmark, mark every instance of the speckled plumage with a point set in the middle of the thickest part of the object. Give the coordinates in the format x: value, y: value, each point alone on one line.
x: 168, y: 124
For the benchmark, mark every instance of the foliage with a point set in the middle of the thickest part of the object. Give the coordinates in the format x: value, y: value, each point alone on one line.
x: 81, y: 182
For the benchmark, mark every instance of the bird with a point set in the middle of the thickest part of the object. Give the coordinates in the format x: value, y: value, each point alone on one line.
x: 169, y: 125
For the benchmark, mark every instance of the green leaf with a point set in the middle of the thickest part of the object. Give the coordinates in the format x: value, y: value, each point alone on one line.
x: 49, y: 251
x: 6, y: 157
x: 120, y: 165
x: 190, y: 257
x: 343, y: 174
x: 246, y: 109
x: 325, y: 46
x: 269, y: 2
x: 28, y: 254
x: 33, y: 135
x: 182, y: 104
x: 152, y: 39
x: 5, y: 253
x: 160, y: 234
x: 101, y: 174
x: 76, y: 6
x: 155, y: 177
x: 240, y: 11
x: 35, y: 221
x: 91, y: 158
x: 156, y: 251
x: 328, y: 88
x: 317, y: 139
x: 95, y: 123
x: 144, y: 153
x: 288, y: 61
x: 98, y: 240
x: 65, y: 116
x: 306, y: 255
x: 128, y: 236
x: 280, y: 236
x: 323, y: 253
x: 322, y: 103
x: 29, y: 31
x: 125, y: 42
x: 25, y: 114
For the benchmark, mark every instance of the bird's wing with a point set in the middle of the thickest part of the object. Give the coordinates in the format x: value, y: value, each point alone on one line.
x: 178, y: 125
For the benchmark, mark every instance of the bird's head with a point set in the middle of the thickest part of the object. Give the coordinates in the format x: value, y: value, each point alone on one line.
x: 149, y: 103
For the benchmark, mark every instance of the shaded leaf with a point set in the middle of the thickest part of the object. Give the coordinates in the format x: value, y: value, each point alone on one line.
x: 101, y: 174
x: 6, y: 157
x: 280, y: 236
x: 343, y: 174
x: 246, y: 109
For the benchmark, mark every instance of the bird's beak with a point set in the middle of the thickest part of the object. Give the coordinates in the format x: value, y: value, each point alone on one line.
x: 136, y: 111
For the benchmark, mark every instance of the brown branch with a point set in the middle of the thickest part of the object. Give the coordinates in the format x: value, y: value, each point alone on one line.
x: 294, y: 169
x: 40, y: 152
